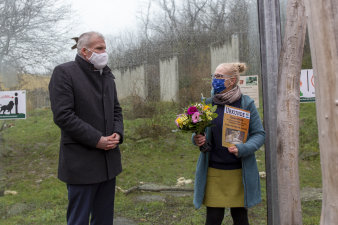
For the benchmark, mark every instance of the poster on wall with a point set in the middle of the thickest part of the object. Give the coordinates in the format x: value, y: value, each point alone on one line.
x: 307, y: 86
x: 12, y: 105
x: 249, y: 86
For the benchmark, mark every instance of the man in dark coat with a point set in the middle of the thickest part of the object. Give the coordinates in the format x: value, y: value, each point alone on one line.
x: 85, y: 107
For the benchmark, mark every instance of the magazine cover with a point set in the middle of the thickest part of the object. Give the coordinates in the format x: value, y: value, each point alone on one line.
x: 235, y: 126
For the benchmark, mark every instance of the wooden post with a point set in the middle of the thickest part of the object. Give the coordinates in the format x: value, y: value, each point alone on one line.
x: 288, y: 97
x: 322, y: 18
x: 270, y: 43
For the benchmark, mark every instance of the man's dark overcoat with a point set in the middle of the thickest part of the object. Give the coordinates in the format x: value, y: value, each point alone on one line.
x: 85, y: 107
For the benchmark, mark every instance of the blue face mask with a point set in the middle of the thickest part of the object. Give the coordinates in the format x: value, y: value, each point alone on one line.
x: 218, y: 85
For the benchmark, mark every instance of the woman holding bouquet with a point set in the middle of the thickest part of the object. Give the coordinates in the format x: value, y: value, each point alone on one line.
x: 228, y: 177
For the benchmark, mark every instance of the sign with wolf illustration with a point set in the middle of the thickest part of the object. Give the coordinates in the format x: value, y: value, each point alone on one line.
x: 12, y: 105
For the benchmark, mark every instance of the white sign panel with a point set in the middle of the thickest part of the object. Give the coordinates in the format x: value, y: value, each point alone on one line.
x: 249, y: 86
x: 307, y: 86
x: 12, y: 105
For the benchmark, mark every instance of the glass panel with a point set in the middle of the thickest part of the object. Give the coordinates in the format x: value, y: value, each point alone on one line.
x: 161, y: 65
x: 282, y: 4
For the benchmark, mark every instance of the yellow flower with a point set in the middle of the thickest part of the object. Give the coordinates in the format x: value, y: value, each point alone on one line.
x: 181, y: 120
x: 206, y: 108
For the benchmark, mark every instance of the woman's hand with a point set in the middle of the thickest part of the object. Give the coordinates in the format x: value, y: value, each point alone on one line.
x: 199, y: 139
x: 233, y: 150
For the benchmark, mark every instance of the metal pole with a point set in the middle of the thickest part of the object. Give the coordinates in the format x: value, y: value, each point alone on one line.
x: 270, y: 44
x: 2, y: 179
x: 2, y: 145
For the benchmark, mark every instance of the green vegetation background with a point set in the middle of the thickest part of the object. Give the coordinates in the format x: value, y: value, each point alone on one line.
x: 151, y: 153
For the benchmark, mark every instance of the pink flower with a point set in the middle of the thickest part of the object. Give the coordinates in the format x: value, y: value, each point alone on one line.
x: 195, y: 117
x: 192, y: 110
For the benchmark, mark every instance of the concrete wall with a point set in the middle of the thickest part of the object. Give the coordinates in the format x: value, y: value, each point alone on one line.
x: 171, y: 71
x: 227, y: 52
x: 131, y: 82
x: 169, y: 80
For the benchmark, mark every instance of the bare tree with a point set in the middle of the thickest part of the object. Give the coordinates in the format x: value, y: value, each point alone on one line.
x: 288, y: 114
x: 215, y: 17
x: 170, y: 26
x: 31, y: 32
x: 323, y: 32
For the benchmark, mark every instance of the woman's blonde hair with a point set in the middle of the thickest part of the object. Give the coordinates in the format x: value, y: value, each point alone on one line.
x: 236, y: 69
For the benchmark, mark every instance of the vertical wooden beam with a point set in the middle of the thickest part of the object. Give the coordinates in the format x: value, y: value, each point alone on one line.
x: 322, y: 20
x: 270, y: 44
x: 290, y: 64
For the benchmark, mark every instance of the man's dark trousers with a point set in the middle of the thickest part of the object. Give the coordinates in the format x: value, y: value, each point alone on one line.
x: 91, y: 200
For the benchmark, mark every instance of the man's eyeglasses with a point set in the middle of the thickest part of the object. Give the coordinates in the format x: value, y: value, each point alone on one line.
x: 220, y: 76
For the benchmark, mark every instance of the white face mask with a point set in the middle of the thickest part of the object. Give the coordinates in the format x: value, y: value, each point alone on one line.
x: 99, y: 60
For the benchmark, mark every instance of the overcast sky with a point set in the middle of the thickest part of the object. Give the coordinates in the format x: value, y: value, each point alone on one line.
x: 106, y: 16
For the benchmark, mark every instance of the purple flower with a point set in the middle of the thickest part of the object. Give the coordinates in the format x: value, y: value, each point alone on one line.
x: 195, y: 117
x: 192, y: 110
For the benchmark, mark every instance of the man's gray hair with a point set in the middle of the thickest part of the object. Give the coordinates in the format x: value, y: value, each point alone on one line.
x: 84, y: 40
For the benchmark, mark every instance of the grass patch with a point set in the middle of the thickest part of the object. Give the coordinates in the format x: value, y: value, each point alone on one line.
x: 308, y: 132
x: 151, y: 153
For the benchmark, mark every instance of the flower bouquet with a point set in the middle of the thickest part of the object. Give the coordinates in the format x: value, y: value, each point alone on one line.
x: 196, y: 118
